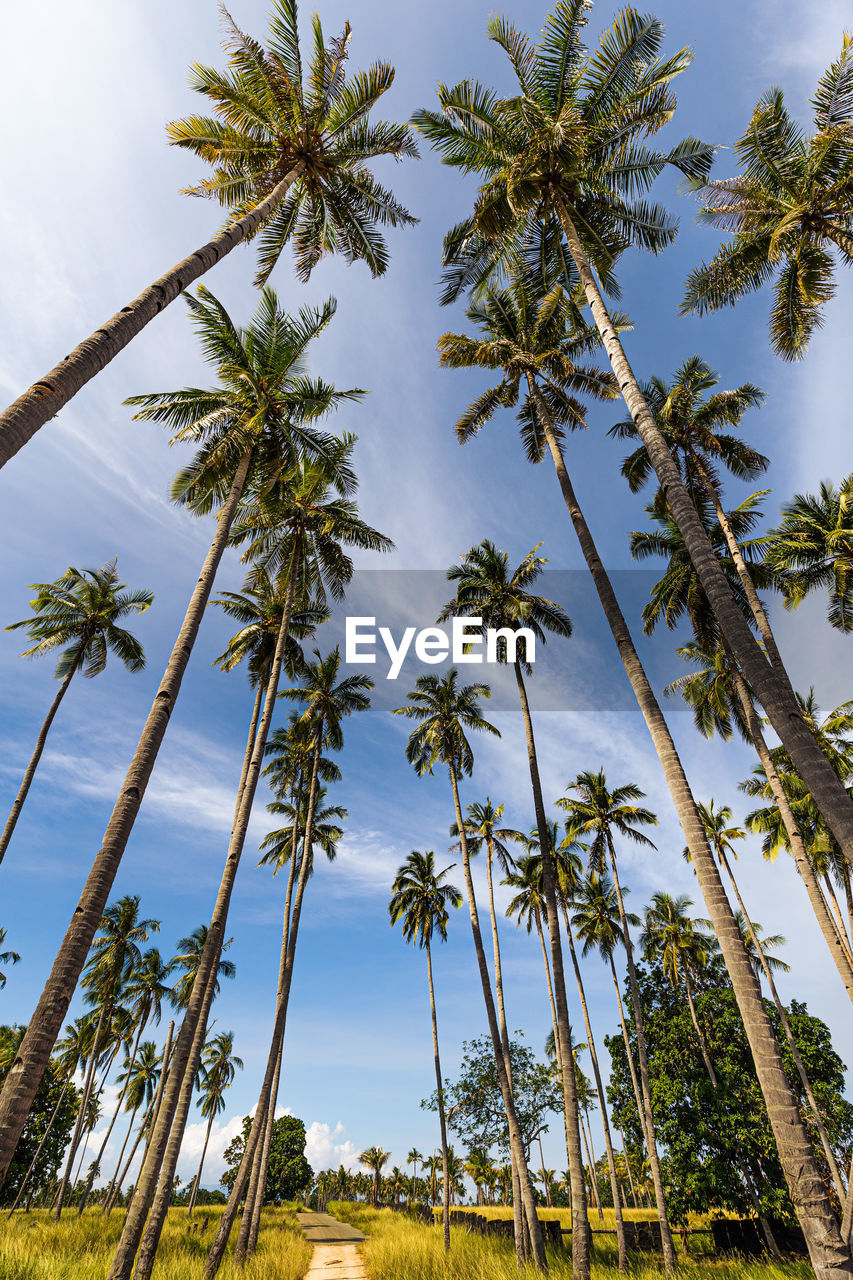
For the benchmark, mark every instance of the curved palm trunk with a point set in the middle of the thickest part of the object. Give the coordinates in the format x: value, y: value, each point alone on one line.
x: 108, y: 1197
x: 832, y: 1163
x: 700, y: 1035
x: 15, y: 812
x: 442, y: 1120
x: 81, y: 1111
x: 771, y: 684
x: 226, y: 1222
x: 150, y: 1115
x: 537, y: 1245
x: 638, y: 1098
x: 645, y: 1089
x: 168, y: 1129
x: 599, y: 1089
x: 628, y: 1169
x: 581, y: 1240
x: 832, y: 937
x: 26, y: 1072
x: 258, y: 1202
x: 197, y: 1179
x: 45, y: 398
x: 829, y: 1256
x: 97, y: 1163
x: 590, y: 1155
x: 34, y: 1160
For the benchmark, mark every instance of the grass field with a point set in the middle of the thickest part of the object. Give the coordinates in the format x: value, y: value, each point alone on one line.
x: 400, y: 1249
x: 32, y: 1248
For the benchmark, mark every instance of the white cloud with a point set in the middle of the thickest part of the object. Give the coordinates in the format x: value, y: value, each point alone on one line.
x: 325, y: 1147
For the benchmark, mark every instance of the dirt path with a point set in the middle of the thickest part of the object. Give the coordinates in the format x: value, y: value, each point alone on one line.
x: 336, y: 1252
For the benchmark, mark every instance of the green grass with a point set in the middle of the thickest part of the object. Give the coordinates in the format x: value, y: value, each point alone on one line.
x: 33, y: 1248
x: 399, y: 1248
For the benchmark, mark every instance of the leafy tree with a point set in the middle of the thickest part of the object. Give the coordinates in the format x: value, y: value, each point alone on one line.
x: 718, y: 1144
x: 289, y: 1174
x: 81, y: 610
x: 290, y: 150
x: 48, y: 1127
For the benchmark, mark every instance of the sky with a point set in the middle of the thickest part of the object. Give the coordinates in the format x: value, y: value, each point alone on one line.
x: 92, y: 212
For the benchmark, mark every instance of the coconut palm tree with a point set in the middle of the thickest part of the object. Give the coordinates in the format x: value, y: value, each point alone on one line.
x: 375, y: 1159
x: 421, y: 901
x: 414, y: 1158
x: 290, y: 150
x: 247, y: 428
x: 219, y: 1065
x: 6, y: 957
x: 141, y: 1086
x: 812, y: 548
x: 788, y: 211
x: 569, y: 146
x: 679, y: 944
x: 597, y: 811
x: 80, y: 610
x: 444, y: 711
x: 188, y: 957
x: 115, y: 954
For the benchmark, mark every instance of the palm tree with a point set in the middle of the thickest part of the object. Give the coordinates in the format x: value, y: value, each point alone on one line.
x: 81, y: 610
x: 114, y: 956
x: 722, y: 836
x: 145, y: 1089
x: 421, y: 901
x: 787, y: 210
x: 290, y: 152
x: 444, y: 711
x: 6, y: 957
x: 414, y: 1158
x: 488, y: 589
x: 672, y: 938
x: 569, y: 147
x: 219, y: 1065
x: 328, y: 701
x: 569, y: 879
x: 812, y: 548
x: 375, y: 1158
x: 247, y: 428
x: 599, y: 812
x: 188, y: 957
x: 528, y: 905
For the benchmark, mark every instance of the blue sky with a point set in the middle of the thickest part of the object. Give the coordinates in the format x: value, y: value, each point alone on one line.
x: 92, y: 212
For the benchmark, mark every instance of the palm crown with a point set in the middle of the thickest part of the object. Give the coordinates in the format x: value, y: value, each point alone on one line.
x: 421, y: 900
x: 788, y: 208
x: 445, y: 710
x: 274, y: 119
x: 81, y: 610
x: 812, y: 548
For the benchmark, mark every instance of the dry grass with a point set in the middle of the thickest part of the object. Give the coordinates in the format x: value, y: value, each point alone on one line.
x: 32, y: 1248
x: 400, y: 1249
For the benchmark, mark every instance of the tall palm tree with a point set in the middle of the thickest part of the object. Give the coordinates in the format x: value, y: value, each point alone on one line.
x: 788, y: 211
x: 569, y: 147
x: 414, y: 1158
x: 722, y: 835
x: 246, y: 429
x: 188, y: 957
x: 812, y: 548
x: 445, y: 711
x: 6, y: 957
x: 80, y: 610
x: 600, y: 812
x: 143, y: 1091
x: 115, y: 954
x: 290, y: 150
x: 375, y: 1159
x: 219, y: 1065
x: 487, y: 588
x: 679, y: 944
x: 421, y: 901
x: 569, y: 878
x: 328, y: 700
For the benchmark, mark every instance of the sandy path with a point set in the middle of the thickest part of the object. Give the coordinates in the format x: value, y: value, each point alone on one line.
x: 336, y: 1252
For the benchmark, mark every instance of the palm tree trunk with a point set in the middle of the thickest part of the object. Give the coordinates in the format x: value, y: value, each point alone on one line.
x: 197, y: 1180
x: 167, y: 1134
x: 599, y: 1089
x: 832, y: 1163
x: 700, y: 1036
x: 848, y: 896
x: 108, y: 1197
x: 628, y: 1168
x: 771, y: 684
x: 814, y: 1212
x: 97, y: 1164
x: 581, y: 1239
x: 27, y: 1070
x: 151, y: 1114
x: 258, y: 1203
x: 45, y: 398
x: 832, y: 937
x: 18, y: 805
x: 32, y: 1164
x: 654, y: 1160
x: 593, y: 1179
x: 641, y: 1112
x: 226, y: 1222
x: 537, y: 1244
x: 81, y: 1110
x: 442, y: 1119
